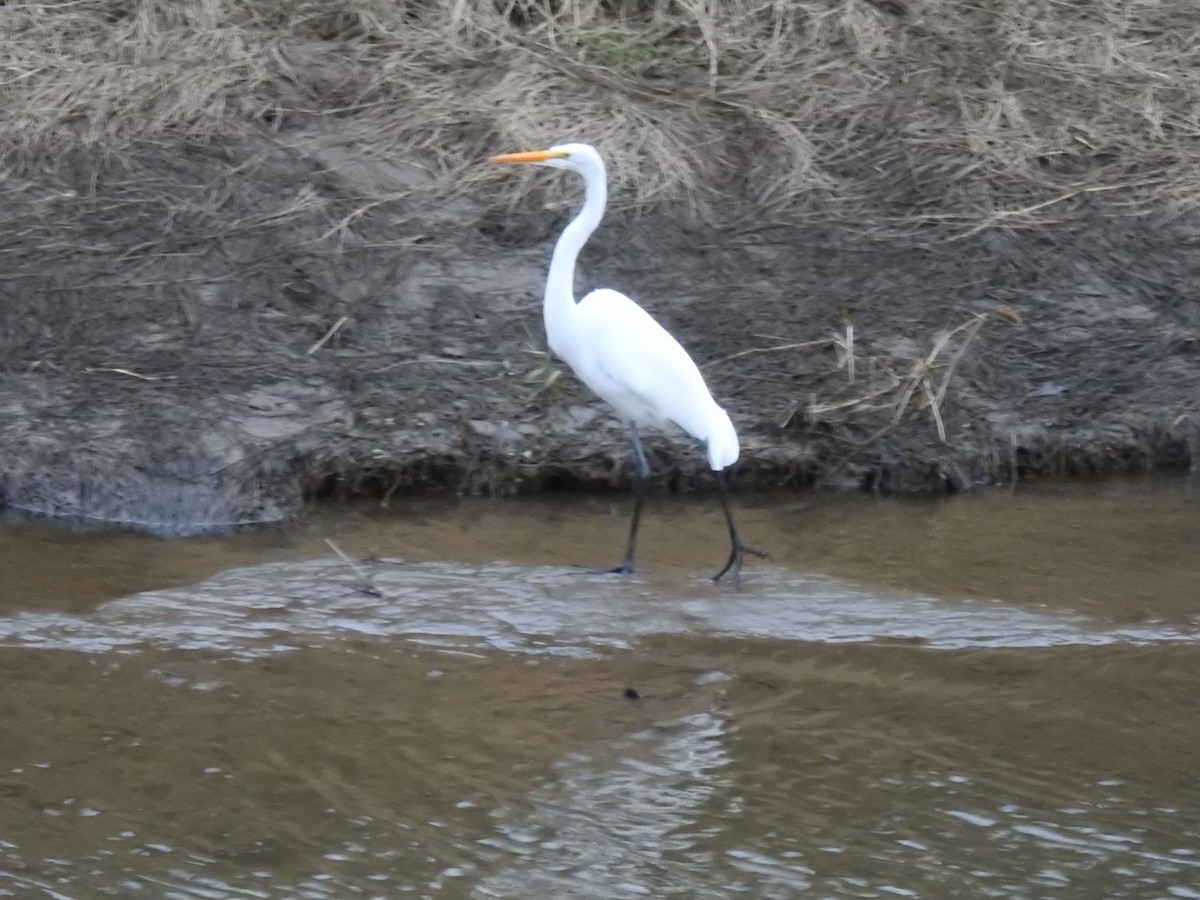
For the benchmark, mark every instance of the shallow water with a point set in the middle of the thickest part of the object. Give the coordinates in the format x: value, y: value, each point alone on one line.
x: 990, y: 696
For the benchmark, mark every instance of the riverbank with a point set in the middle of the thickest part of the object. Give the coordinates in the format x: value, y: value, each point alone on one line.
x: 253, y: 254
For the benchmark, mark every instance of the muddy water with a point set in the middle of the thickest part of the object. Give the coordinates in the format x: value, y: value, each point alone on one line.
x: 990, y: 696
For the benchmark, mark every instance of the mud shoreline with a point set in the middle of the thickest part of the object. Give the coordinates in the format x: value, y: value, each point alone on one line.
x: 226, y: 376
x: 295, y: 283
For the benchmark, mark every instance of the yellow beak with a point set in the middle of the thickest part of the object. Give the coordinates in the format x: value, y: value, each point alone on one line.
x: 533, y: 156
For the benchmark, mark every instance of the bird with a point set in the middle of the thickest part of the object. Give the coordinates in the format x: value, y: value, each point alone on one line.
x: 625, y: 356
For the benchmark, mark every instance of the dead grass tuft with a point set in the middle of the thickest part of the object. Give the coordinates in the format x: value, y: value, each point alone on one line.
x: 879, y: 391
x: 904, y: 114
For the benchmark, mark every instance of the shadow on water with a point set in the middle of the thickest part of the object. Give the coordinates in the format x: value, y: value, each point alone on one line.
x: 990, y: 698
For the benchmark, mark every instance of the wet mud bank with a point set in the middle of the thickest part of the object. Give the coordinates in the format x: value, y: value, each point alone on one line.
x: 255, y: 337
x: 250, y: 253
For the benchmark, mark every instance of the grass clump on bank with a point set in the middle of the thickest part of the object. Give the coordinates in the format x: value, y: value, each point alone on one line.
x: 890, y: 115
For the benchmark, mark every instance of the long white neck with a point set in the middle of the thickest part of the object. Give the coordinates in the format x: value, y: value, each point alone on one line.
x: 558, y: 305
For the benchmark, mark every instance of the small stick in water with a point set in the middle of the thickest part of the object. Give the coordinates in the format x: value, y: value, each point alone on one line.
x: 367, y: 586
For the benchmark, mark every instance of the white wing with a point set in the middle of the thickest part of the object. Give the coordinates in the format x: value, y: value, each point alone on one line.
x: 620, y: 352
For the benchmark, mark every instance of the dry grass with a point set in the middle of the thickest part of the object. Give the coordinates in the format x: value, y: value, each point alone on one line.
x: 903, y: 113
x: 893, y: 383
x: 883, y: 388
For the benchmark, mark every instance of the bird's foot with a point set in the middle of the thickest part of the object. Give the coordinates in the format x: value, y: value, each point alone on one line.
x: 736, y: 554
x: 625, y: 568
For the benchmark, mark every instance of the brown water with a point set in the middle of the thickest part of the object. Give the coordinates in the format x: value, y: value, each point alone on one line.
x: 991, y: 696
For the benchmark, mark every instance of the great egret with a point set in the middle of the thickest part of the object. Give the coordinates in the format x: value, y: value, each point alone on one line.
x: 624, y: 355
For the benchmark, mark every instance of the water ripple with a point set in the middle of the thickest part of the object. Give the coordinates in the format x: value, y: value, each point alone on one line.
x: 266, y: 609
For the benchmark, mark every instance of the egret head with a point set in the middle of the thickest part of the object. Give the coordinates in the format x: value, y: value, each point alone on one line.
x: 581, y: 158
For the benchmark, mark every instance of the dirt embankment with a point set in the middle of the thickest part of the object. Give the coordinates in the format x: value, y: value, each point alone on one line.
x: 251, y: 251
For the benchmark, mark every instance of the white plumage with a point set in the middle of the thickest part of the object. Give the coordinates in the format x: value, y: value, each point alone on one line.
x: 633, y: 363
x: 619, y: 351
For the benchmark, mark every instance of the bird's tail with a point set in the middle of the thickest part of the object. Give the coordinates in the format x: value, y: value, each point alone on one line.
x: 722, y: 443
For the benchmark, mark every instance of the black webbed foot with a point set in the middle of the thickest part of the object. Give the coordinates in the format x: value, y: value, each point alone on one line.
x: 736, y: 554
x: 625, y: 568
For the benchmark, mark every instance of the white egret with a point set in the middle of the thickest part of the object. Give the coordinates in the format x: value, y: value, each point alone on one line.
x: 624, y: 355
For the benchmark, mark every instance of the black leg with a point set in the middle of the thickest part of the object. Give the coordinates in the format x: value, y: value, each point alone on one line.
x: 737, y: 548
x: 641, y: 479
